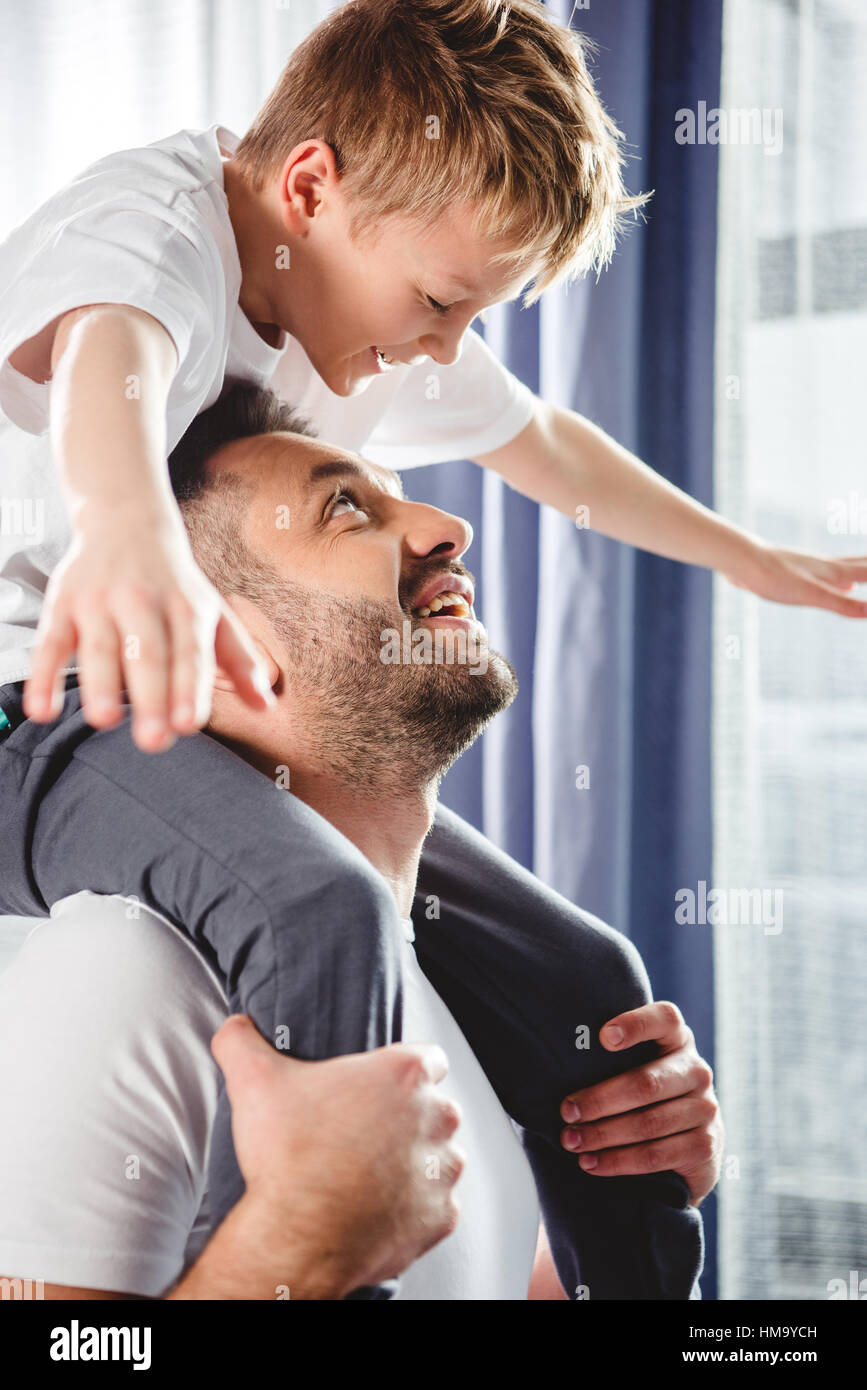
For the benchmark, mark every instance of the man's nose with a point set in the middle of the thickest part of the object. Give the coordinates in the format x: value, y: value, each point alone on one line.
x: 430, y: 531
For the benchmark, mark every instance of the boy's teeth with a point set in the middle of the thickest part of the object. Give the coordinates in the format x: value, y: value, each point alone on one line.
x: 435, y: 605
x: 424, y: 612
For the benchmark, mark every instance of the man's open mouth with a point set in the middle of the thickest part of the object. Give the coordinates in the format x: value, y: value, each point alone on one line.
x: 446, y: 604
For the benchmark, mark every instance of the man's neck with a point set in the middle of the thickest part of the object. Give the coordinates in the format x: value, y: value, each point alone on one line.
x: 384, y: 818
x: 388, y: 824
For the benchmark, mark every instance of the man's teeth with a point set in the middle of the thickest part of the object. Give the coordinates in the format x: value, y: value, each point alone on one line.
x: 456, y: 602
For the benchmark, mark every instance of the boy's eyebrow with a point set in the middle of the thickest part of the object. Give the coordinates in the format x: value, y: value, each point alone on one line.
x: 343, y: 468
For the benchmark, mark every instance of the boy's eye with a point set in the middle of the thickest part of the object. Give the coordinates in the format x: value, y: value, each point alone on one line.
x: 437, y: 307
x: 345, y: 495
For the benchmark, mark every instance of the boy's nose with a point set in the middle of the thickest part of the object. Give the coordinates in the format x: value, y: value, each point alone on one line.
x: 445, y: 349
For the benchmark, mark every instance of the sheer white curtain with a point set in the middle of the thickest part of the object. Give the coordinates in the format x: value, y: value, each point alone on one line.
x: 80, y: 78
x: 790, y: 710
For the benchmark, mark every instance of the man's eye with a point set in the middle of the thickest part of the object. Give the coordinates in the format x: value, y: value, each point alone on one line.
x: 437, y: 307
x: 346, y: 496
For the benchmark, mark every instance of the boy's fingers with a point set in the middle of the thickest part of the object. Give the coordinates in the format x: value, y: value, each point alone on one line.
x: 99, y: 675
x: 55, y: 644
x: 145, y: 655
x: 192, y: 669
x: 846, y: 607
x: 237, y: 657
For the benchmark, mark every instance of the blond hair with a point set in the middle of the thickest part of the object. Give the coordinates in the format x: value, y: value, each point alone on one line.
x: 425, y: 102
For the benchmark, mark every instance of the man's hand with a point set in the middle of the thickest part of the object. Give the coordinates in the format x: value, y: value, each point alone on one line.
x: 797, y: 577
x: 659, y: 1116
x: 349, y: 1164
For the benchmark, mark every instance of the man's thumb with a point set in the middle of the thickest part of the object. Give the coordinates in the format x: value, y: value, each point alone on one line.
x: 241, y: 1052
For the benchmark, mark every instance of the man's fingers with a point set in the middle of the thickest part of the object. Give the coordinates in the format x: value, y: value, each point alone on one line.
x: 640, y: 1126
x: 660, y: 1021
x: 236, y: 655
x: 663, y: 1079
x: 681, y: 1152
x: 433, y: 1060
x: 55, y: 645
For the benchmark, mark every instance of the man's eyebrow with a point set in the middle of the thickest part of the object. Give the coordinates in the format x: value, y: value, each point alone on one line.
x: 347, y: 468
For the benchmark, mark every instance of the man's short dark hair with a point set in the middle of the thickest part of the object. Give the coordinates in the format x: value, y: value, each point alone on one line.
x: 213, y: 502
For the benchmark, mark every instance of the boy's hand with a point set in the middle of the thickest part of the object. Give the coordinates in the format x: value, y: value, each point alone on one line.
x: 663, y: 1114
x: 129, y: 598
x: 797, y: 577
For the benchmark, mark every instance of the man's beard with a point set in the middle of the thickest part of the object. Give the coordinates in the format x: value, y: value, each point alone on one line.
x: 391, y: 724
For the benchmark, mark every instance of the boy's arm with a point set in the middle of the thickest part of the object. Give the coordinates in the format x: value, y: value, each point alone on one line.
x: 563, y: 459
x: 128, y: 596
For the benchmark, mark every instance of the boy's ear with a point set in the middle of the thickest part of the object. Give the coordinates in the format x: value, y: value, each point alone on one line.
x: 307, y: 176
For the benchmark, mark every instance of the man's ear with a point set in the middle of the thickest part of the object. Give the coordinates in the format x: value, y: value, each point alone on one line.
x: 309, y: 173
x: 223, y: 681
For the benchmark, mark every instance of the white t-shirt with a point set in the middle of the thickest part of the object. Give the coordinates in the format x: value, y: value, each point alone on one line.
x: 150, y: 227
x: 108, y: 1092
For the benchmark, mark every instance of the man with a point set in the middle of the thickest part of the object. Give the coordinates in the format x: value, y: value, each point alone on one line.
x: 363, y: 741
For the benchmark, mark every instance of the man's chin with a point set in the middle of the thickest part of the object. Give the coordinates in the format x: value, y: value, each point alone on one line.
x: 452, y: 703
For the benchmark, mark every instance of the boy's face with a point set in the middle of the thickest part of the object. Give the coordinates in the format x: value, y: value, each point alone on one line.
x: 343, y: 298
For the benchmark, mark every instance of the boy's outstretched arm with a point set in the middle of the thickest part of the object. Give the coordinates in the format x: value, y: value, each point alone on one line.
x: 563, y: 459
x: 128, y: 596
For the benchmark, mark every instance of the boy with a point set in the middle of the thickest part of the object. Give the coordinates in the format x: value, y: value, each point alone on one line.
x: 415, y: 163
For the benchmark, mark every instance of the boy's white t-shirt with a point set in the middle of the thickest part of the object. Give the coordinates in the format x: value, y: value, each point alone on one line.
x: 150, y: 227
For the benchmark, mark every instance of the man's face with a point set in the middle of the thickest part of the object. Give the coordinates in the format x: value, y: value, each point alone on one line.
x: 411, y: 293
x: 384, y: 667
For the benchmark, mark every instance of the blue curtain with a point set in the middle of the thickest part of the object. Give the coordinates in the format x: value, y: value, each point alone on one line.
x: 611, y: 645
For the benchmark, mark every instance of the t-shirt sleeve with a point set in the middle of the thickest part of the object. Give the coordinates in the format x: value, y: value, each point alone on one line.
x: 119, y: 250
x: 107, y: 1097
x: 456, y: 412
